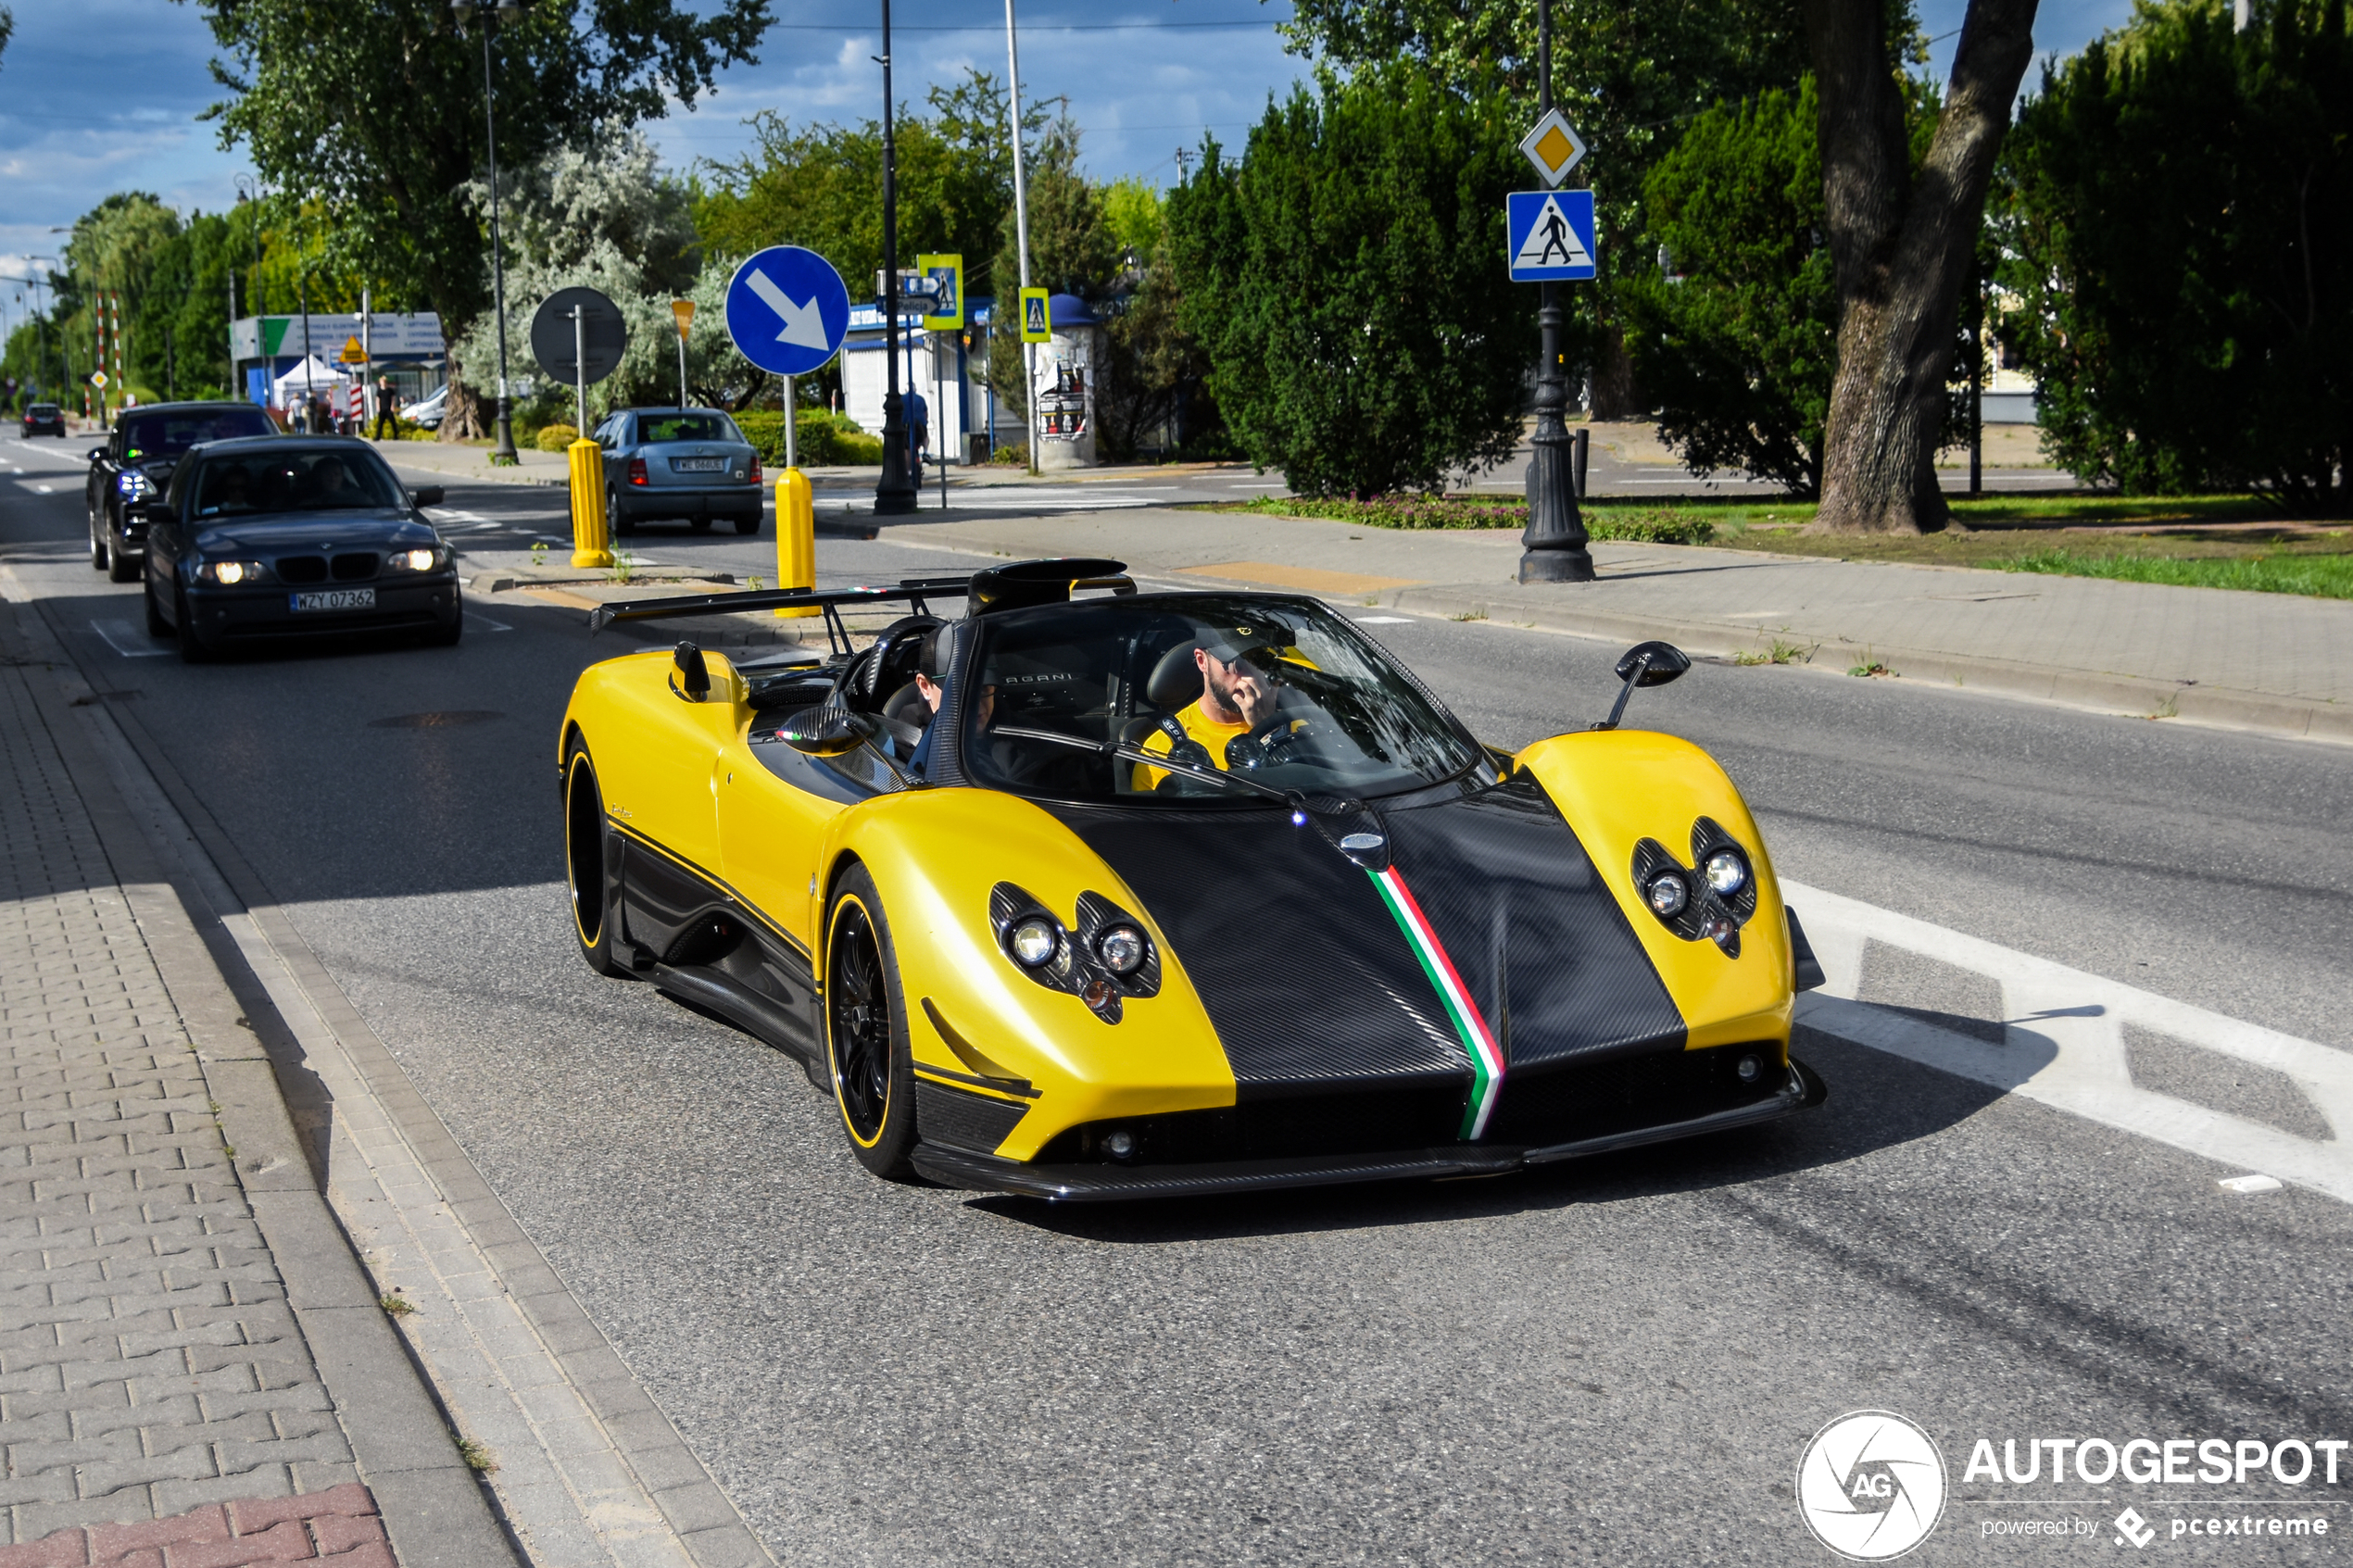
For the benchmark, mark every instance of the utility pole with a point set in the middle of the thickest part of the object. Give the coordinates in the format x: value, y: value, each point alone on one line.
x: 1021, y: 234
x: 895, y: 492
x: 1552, y: 547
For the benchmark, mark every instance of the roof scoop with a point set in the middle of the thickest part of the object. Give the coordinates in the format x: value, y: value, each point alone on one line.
x: 1019, y: 584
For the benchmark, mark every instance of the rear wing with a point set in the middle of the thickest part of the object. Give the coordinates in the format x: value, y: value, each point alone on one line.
x: 912, y: 591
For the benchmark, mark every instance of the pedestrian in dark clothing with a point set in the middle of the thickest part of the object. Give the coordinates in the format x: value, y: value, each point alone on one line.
x: 919, y: 426
x: 387, y: 405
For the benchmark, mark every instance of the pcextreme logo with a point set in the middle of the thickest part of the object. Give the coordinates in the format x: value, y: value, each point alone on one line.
x: 1871, y: 1485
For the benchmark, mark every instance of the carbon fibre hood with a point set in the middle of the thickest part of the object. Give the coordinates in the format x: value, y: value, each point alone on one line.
x: 1312, y: 984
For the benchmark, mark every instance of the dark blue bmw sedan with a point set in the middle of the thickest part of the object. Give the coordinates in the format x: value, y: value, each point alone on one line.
x: 269, y: 538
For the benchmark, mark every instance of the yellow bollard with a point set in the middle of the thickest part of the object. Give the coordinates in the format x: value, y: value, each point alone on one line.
x: 796, y: 537
x: 591, y: 545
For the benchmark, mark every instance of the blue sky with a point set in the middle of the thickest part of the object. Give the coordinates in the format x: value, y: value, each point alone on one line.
x: 100, y: 95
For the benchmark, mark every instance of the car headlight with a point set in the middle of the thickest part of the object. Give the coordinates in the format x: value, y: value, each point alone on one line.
x: 229, y: 573
x: 1121, y: 948
x: 1033, y: 941
x: 131, y: 484
x: 1726, y: 872
x: 414, y: 560
x: 1668, y: 894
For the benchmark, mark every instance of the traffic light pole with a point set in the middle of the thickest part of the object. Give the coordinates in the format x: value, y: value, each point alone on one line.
x: 1552, y: 547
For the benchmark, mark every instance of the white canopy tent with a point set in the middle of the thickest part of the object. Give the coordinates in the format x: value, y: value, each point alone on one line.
x: 315, y: 375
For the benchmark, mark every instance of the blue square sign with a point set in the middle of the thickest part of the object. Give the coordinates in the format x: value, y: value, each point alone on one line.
x: 1552, y: 235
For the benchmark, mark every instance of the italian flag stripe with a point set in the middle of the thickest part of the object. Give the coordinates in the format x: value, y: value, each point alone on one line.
x: 1478, y: 1041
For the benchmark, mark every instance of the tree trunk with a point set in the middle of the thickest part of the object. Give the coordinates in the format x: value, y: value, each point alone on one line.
x: 1614, y: 395
x: 1902, y: 249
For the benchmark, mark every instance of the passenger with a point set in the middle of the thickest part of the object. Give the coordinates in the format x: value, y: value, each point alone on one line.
x: 1236, y: 696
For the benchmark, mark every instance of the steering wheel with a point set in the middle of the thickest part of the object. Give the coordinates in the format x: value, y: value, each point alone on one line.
x: 1270, y: 742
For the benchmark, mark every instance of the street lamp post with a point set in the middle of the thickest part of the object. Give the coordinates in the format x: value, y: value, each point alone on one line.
x: 1552, y: 547
x: 502, y: 450
x: 895, y: 492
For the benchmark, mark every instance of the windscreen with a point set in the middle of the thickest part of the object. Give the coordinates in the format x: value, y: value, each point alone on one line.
x: 700, y: 425
x: 149, y: 436
x: 258, y: 484
x: 1283, y: 690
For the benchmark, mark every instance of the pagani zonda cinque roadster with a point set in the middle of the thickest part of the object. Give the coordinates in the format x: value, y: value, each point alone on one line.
x: 1092, y: 894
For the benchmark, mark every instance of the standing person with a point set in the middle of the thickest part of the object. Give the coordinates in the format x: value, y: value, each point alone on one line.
x: 387, y: 405
x: 919, y: 426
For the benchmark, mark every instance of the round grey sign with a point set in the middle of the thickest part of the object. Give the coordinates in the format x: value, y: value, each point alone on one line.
x: 600, y: 336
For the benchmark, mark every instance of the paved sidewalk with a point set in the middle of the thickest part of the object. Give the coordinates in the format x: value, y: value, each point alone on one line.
x: 2275, y: 662
x: 186, y: 1377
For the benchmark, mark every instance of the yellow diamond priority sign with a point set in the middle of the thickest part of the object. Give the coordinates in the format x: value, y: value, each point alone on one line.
x: 1553, y: 146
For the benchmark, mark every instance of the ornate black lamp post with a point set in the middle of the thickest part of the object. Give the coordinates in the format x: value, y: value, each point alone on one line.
x: 895, y: 492
x: 1552, y: 547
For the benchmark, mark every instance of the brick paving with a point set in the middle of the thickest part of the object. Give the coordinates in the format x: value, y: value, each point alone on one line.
x: 150, y: 1367
x: 339, y: 1525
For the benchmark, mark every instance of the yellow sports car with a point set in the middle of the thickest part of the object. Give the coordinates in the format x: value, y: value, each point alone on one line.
x: 1090, y: 894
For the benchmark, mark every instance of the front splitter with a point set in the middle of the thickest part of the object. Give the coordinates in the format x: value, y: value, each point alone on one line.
x: 1118, y: 1184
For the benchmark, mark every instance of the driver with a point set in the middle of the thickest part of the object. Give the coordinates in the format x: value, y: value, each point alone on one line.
x: 332, y: 485
x: 1237, y: 698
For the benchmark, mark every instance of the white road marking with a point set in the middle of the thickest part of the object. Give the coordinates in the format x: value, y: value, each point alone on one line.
x: 2250, y: 1183
x: 1384, y: 621
x: 2064, y: 1043
x: 486, y: 624
x: 130, y: 641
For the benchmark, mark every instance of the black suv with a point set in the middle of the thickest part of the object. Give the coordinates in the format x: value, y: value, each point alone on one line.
x: 134, y: 467
x: 43, y: 419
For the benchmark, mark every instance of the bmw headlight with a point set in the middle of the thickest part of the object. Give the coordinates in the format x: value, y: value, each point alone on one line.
x: 1726, y: 872
x: 415, y: 560
x: 232, y: 573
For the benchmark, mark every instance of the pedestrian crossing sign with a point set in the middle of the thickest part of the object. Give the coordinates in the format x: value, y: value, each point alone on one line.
x: 1550, y: 236
x: 1037, y: 320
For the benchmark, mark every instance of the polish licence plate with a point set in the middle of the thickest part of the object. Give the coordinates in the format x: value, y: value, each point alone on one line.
x: 699, y: 465
x: 335, y: 598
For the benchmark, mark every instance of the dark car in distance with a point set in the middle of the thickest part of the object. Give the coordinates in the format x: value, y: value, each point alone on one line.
x: 134, y: 467
x: 689, y: 464
x: 277, y: 537
x: 43, y: 419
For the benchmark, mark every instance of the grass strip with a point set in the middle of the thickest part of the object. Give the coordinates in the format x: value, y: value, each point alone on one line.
x: 1638, y: 525
x: 2316, y: 576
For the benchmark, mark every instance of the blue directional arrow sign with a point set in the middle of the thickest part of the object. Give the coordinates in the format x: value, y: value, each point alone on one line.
x: 1552, y: 235
x: 787, y: 310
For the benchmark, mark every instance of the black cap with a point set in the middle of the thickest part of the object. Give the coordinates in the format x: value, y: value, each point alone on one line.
x: 1227, y: 643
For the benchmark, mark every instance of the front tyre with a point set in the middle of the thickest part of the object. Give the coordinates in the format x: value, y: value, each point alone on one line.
x: 867, y: 1053
x: 585, y: 860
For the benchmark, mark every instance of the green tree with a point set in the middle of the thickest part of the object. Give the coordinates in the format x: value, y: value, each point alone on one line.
x: 1072, y: 249
x: 1737, y: 348
x: 820, y: 186
x: 374, y: 111
x: 1631, y: 78
x: 2179, y: 238
x: 1346, y: 278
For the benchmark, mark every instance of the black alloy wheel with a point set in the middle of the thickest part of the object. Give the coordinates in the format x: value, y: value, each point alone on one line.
x: 120, y: 568
x: 587, y: 854
x: 617, y: 523
x: 867, y: 1052
x: 748, y: 524
x: 99, y: 551
x: 157, y: 626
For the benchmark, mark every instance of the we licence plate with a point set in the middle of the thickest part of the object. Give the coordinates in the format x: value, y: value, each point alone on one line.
x: 699, y: 465
x: 335, y: 598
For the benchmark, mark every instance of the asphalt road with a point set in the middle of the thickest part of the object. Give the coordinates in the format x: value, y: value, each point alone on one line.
x: 1613, y: 1363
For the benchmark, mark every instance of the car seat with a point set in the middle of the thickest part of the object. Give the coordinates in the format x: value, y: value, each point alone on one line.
x: 1175, y: 684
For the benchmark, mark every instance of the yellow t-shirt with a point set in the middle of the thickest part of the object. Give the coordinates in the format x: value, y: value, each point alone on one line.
x: 1198, y: 726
